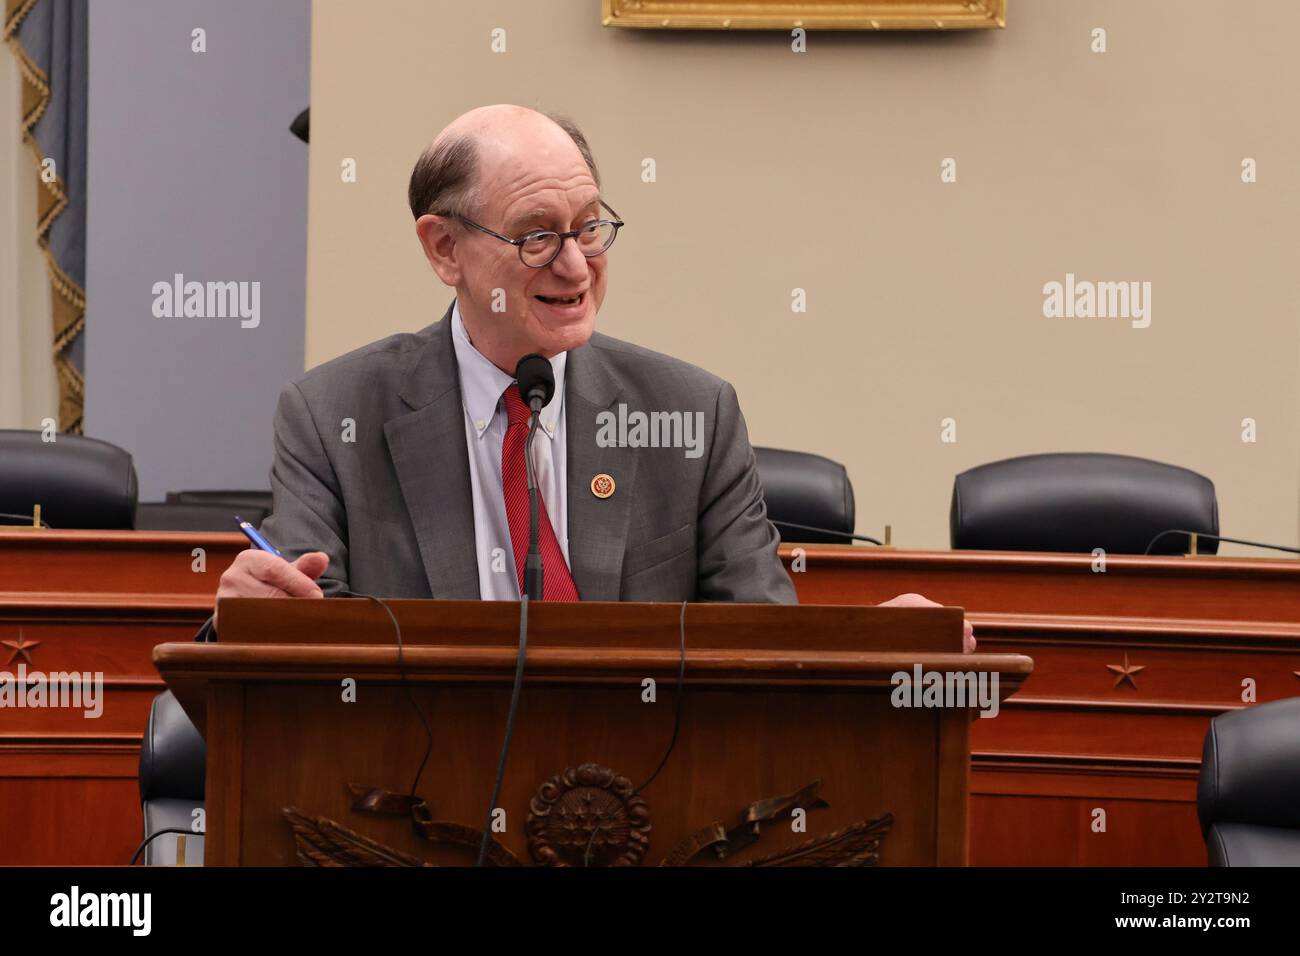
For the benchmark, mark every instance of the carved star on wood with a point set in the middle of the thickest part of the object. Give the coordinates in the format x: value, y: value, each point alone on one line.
x: 20, y: 647
x: 1126, y: 672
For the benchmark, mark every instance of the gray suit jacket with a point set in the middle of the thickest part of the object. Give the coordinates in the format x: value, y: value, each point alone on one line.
x: 393, y: 508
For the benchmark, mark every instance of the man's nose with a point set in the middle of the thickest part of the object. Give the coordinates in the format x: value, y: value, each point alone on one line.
x: 570, y: 263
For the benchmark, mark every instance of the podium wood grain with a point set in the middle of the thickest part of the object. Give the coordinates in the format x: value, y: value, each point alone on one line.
x: 775, y: 697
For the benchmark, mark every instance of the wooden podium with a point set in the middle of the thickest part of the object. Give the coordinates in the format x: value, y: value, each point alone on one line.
x: 788, y: 751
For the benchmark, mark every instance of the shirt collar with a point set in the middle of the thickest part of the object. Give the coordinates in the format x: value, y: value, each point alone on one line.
x: 481, y: 382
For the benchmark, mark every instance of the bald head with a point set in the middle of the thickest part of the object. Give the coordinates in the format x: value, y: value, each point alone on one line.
x: 448, y: 174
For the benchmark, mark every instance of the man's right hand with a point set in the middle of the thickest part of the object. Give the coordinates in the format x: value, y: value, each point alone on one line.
x: 260, y: 574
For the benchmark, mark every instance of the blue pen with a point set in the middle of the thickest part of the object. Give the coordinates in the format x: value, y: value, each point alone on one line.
x: 255, y: 536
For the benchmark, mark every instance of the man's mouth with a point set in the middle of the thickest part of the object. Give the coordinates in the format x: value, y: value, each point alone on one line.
x: 562, y: 300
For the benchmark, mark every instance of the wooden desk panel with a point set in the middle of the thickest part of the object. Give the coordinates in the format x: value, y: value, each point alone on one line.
x: 90, y: 602
x: 1225, y: 590
x: 1079, y: 769
x: 152, y: 566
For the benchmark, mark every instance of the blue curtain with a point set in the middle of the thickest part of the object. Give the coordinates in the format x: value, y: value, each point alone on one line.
x: 49, y: 39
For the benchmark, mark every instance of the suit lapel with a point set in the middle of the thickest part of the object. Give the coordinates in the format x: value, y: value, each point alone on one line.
x: 598, y: 527
x: 430, y: 457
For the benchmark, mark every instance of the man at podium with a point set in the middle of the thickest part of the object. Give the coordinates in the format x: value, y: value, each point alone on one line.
x: 399, y: 468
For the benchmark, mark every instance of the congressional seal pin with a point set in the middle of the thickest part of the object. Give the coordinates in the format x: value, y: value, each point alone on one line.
x: 602, y: 486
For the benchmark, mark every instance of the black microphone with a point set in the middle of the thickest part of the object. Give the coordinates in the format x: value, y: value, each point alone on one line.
x: 536, y: 382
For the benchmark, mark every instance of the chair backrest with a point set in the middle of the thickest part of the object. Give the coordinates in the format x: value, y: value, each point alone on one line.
x: 806, y: 489
x: 78, y: 482
x: 238, y: 499
x: 203, y: 510
x: 172, y: 754
x: 1081, y: 501
x: 172, y: 760
x: 1248, y: 794
x: 187, y: 516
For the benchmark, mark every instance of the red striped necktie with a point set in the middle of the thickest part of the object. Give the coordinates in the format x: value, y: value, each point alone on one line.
x: 558, y: 583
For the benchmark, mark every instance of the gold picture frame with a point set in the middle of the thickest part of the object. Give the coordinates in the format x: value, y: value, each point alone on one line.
x: 809, y: 14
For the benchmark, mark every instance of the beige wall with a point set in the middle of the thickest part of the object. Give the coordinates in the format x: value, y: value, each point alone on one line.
x: 821, y: 171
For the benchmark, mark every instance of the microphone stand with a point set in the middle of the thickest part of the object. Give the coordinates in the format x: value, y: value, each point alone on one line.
x: 532, y: 592
x: 533, y: 574
x: 536, y: 396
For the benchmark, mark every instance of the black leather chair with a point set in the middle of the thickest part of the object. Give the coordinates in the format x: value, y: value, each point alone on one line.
x: 809, y: 490
x: 172, y: 759
x: 1081, y: 501
x: 78, y: 482
x: 1248, y: 796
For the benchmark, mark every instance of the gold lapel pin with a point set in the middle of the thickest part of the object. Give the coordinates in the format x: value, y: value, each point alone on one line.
x: 602, y: 486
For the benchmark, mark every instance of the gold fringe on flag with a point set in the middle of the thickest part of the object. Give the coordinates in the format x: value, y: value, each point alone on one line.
x: 69, y: 299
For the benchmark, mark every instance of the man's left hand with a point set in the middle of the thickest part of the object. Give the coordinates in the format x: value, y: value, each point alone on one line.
x: 919, y: 600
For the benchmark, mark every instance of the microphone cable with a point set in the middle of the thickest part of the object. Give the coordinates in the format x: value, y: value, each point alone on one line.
x: 23, y: 521
x: 410, y: 694
x: 534, y: 572
x: 679, y: 696
x: 153, y: 836
x: 510, y: 728
x: 533, y: 578
x: 677, y: 700
x: 838, y: 534
x: 1216, y: 537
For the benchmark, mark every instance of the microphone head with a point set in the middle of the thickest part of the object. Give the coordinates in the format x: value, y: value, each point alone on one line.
x: 536, y: 381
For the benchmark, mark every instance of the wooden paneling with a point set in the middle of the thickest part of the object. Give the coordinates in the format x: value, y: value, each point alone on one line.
x: 101, y: 601
x: 98, y: 603
x: 1058, y: 831
x: 734, y: 748
x: 158, y: 568
x: 1059, y: 585
x: 91, y: 819
x: 1197, y: 635
x: 775, y: 699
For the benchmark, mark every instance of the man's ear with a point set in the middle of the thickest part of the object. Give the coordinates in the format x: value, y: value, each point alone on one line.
x: 439, y: 245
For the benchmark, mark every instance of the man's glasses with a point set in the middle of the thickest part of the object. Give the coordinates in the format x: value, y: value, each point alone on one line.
x: 538, y: 249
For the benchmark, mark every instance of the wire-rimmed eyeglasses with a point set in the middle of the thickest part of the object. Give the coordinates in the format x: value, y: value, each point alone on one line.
x: 538, y: 249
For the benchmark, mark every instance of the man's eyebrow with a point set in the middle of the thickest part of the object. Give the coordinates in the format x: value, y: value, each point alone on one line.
x: 536, y: 215
x: 525, y: 218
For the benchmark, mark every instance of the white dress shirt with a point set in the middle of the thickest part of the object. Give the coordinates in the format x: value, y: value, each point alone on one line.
x: 481, y: 385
